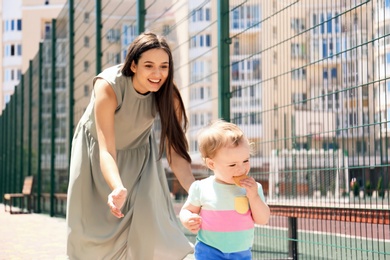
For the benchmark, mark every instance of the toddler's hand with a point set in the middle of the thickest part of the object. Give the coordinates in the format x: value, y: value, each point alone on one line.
x: 192, y: 223
x: 250, y: 186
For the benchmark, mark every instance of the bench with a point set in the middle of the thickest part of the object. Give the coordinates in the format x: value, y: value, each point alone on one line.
x: 59, y: 202
x: 26, y: 194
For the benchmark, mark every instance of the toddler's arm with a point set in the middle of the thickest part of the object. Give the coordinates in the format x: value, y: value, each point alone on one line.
x: 189, y: 217
x: 260, y: 210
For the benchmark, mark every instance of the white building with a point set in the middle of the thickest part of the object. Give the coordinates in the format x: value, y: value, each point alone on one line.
x: 24, y: 24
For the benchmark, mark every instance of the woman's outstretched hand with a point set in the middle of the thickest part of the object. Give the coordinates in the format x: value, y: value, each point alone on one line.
x: 116, y: 200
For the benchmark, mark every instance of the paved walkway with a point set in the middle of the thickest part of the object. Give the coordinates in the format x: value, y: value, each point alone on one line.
x: 33, y: 237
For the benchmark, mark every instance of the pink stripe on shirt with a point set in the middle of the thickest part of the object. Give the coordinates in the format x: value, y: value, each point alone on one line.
x: 226, y: 220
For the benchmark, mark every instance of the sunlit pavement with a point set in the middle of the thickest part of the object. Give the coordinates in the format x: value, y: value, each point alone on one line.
x: 33, y: 236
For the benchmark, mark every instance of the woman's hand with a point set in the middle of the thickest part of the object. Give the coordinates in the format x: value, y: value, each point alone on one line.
x: 116, y: 200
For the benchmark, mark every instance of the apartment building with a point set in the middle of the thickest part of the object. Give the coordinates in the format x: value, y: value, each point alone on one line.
x: 24, y: 24
x: 302, y: 77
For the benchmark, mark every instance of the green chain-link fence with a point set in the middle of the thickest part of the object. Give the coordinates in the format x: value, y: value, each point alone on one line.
x: 307, y: 81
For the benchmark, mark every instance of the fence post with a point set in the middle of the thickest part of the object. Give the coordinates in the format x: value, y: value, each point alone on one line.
x: 39, y: 162
x: 8, y: 155
x: 223, y: 60
x: 99, y: 26
x: 14, y: 106
x: 141, y: 12
x: 292, y: 238
x: 21, y: 137
x: 53, y: 117
x: 30, y: 108
x: 2, y: 154
x: 2, y: 145
x: 71, y: 77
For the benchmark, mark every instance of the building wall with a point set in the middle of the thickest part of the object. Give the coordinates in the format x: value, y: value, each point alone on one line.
x: 33, y: 17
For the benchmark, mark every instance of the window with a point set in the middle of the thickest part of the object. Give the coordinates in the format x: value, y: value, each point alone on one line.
x: 166, y: 29
x: 201, y: 93
x: 12, y: 25
x: 297, y: 24
x: 298, y: 74
x: 208, y: 40
x: 330, y: 145
x: 329, y: 23
x: 113, y: 58
x: 237, y: 91
x: 322, y: 27
x: 361, y: 147
x: 129, y: 33
x: 113, y: 35
x: 235, y: 71
x: 7, y: 98
x: 193, y: 42
x: 337, y: 23
x: 200, y: 15
x: 193, y: 16
x: 353, y: 119
x: 298, y: 50
x: 333, y: 73
x: 86, y: 41
x: 325, y: 48
x: 299, y: 100
x: 207, y: 13
x: 236, y: 46
x: 244, y: 17
x: 19, y: 25
x: 86, y: 66
x: 237, y: 118
x: 199, y: 68
x: 86, y: 17
x: 86, y: 90
x: 255, y: 118
x: 47, y: 30
x: 325, y: 74
x: 315, y: 23
x: 19, y: 50
x: 236, y: 19
x: 7, y: 75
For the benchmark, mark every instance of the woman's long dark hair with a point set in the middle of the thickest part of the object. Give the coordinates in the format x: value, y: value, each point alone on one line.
x: 172, y: 127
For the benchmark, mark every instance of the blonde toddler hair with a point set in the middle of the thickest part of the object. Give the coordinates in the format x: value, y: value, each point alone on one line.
x: 219, y: 134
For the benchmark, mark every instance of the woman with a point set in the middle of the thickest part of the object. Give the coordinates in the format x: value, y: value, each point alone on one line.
x: 115, y: 154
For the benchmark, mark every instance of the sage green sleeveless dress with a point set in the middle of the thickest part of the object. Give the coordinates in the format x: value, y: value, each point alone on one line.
x: 149, y: 229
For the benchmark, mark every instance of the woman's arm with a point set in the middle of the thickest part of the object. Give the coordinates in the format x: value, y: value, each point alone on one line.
x: 180, y: 166
x: 105, y: 105
x: 182, y: 169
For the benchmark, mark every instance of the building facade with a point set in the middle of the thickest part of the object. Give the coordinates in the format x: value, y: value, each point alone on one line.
x: 24, y: 24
